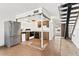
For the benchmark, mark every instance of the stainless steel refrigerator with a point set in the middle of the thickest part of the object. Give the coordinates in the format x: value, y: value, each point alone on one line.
x: 12, y: 33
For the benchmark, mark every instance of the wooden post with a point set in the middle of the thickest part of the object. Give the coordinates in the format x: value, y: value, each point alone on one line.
x: 42, y: 32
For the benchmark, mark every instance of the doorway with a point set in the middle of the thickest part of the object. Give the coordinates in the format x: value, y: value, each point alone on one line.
x: 62, y: 30
x: 23, y: 37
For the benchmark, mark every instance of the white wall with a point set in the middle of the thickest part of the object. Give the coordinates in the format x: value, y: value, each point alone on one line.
x: 75, y: 37
x: 70, y: 29
x: 51, y: 33
x: 1, y: 33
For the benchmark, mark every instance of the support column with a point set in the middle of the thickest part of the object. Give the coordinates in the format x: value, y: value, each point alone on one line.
x: 42, y: 45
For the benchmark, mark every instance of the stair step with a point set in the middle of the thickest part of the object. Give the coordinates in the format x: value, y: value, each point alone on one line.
x: 75, y: 5
x: 66, y: 4
x: 74, y: 8
x: 70, y: 17
x: 71, y: 13
x: 69, y: 20
x: 71, y: 23
x: 63, y: 8
x: 63, y: 22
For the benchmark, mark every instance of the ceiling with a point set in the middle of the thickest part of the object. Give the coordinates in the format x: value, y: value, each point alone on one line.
x: 10, y: 10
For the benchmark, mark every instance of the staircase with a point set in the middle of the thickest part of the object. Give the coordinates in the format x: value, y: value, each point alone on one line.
x: 69, y: 14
